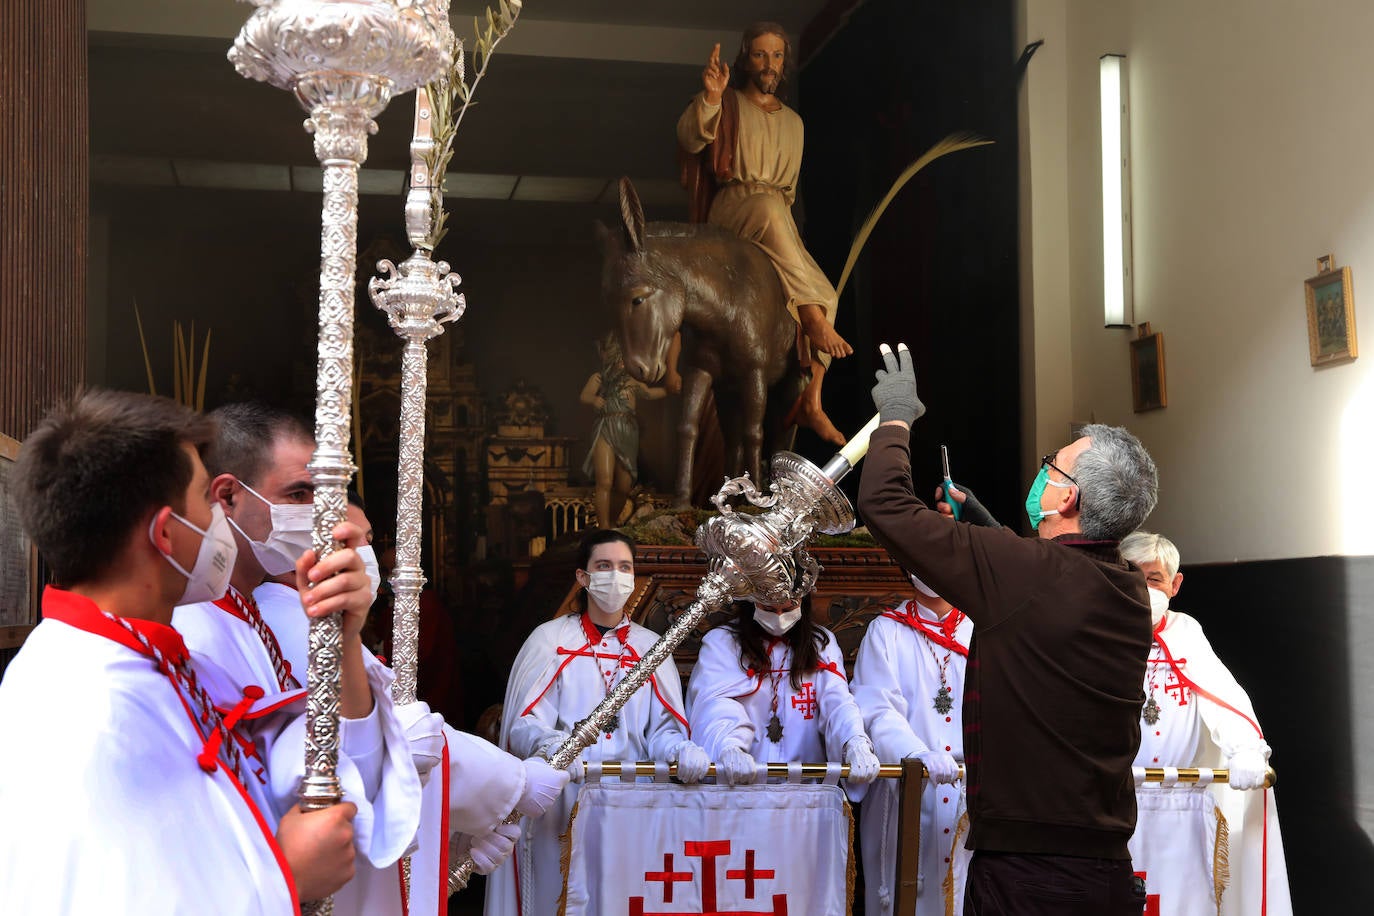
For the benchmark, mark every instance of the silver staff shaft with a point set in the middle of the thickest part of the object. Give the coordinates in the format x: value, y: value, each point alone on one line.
x: 343, y: 60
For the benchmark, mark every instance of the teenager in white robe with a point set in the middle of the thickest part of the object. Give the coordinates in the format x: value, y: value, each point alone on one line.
x: 562, y: 672
x: 909, y: 683
x: 770, y: 687
x: 484, y: 784
x: 1196, y: 714
x: 260, y: 479
x: 124, y: 788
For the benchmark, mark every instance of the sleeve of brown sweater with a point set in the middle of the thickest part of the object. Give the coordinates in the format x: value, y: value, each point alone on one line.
x: 988, y: 573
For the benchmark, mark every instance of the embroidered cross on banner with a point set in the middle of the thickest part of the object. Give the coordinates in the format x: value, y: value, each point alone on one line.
x: 709, y: 851
x: 805, y: 701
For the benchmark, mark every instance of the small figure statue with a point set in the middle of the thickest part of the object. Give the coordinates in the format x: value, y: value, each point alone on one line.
x: 611, y: 461
x: 744, y: 150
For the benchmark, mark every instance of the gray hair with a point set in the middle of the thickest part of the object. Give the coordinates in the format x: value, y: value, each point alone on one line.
x: 1118, y: 484
x: 1143, y: 547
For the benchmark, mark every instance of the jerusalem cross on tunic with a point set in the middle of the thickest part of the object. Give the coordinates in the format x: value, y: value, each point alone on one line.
x: 805, y: 702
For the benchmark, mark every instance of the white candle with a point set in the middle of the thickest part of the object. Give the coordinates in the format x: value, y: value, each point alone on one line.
x: 854, y: 450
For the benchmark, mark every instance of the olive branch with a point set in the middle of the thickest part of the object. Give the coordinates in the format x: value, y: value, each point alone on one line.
x: 456, y: 89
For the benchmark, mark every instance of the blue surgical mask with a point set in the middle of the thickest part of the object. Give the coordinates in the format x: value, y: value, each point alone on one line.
x: 1037, y: 490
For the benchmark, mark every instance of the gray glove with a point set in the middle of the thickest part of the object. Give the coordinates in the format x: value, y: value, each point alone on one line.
x: 971, y: 510
x: 895, y: 394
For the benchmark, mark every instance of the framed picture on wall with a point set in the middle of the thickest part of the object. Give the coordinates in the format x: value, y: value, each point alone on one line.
x: 1330, y: 315
x: 18, y: 560
x: 1148, y: 390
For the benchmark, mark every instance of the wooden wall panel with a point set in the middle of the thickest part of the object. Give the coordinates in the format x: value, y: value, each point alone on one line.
x: 44, y: 207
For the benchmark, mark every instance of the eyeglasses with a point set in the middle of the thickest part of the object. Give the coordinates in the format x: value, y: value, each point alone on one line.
x: 1048, y: 461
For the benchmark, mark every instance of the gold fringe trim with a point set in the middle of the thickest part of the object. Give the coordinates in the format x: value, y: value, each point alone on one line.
x: 850, y: 871
x: 1221, y: 858
x: 565, y: 856
x: 947, y: 885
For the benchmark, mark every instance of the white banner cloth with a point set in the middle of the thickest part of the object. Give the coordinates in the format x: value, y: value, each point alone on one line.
x: 707, y: 850
x: 1177, y: 850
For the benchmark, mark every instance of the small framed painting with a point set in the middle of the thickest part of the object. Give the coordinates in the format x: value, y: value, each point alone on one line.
x: 1330, y: 315
x: 1148, y: 391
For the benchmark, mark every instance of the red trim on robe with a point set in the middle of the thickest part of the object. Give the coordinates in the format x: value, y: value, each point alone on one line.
x: 82, y: 613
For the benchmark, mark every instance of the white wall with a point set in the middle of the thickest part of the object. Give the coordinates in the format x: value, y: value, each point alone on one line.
x: 1251, y: 149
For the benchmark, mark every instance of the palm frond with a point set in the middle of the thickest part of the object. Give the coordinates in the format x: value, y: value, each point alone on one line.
x: 951, y: 144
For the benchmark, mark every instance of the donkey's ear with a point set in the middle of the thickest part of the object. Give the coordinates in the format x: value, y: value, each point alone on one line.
x: 632, y: 214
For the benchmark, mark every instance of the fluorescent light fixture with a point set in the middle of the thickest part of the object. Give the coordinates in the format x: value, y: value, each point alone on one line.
x: 1117, y: 299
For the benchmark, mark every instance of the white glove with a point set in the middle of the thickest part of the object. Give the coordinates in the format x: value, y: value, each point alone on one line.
x: 863, y: 763
x: 691, y: 762
x: 543, y: 785
x: 736, y: 767
x: 1248, y: 768
x: 489, y: 850
x: 425, y: 732
x: 941, y: 767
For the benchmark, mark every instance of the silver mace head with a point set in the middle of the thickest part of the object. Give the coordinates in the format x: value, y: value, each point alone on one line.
x: 418, y: 295
x: 763, y: 558
x: 344, y: 56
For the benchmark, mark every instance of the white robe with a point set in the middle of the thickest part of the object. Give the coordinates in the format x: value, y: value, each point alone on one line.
x: 729, y: 706
x: 484, y: 783
x: 895, y: 683
x: 554, y: 683
x: 389, y: 792
x: 1195, y: 730
x: 105, y: 809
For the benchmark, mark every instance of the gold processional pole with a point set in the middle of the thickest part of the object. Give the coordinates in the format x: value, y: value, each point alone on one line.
x: 344, y: 60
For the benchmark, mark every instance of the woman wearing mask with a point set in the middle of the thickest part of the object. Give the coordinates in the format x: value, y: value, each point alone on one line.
x: 564, y: 670
x: 770, y: 687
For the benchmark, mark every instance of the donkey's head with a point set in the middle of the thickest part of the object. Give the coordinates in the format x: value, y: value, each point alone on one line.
x: 643, y: 289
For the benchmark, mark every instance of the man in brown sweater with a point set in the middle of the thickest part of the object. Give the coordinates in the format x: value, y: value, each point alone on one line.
x: 1052, y: 695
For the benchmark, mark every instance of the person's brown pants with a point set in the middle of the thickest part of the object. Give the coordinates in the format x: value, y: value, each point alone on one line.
x: 1006, y: 884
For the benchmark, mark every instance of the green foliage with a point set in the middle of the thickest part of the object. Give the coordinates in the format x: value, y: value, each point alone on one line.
x: 456, y: 88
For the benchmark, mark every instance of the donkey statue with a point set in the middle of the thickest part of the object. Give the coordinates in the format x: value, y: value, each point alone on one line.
x: 739, y: 340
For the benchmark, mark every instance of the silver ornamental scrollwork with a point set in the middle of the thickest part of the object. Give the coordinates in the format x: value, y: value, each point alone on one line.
x: 343, y: 60
x: 418, y: 297
x: 754, y: 557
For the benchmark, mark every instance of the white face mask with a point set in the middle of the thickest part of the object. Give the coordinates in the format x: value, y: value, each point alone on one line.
x: 1159, y: 603
x: 288, y: 538
x: 208, y: 580
x: 921, y: 586
x: 374, y: 572
x: 777, y: 622
x: 610, y: 589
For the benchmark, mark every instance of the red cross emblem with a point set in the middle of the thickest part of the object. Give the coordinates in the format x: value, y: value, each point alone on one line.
x: 1172, y: 685
x: 806, y: 700
x: 708, y: 851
